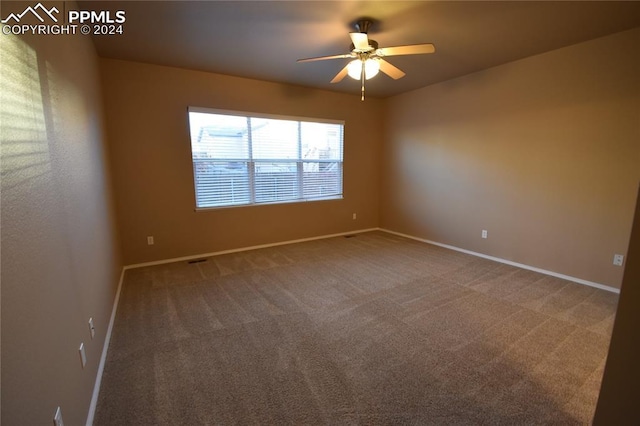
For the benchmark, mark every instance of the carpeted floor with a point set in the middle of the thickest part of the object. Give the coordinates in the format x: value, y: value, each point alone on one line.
x: 373, y: 329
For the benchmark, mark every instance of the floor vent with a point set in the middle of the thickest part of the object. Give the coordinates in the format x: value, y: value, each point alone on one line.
x: 197, y: 261
x: 349, y: 236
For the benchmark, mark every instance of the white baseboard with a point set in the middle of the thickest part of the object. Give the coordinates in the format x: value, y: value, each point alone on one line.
x: 509, y: 262
x: 217, y: 253
x: 103, y: 357
x: 359, y: 231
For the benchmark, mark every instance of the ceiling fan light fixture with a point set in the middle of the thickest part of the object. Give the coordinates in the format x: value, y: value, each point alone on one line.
x: 371, y: 68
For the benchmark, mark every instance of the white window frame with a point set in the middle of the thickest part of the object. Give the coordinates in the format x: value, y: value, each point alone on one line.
x: 251, y: 162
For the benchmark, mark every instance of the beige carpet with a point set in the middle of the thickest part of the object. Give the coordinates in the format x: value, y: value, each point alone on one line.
x: 373, y: 329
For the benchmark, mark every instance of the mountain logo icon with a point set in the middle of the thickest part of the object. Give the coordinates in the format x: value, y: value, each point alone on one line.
x: 34, y: 11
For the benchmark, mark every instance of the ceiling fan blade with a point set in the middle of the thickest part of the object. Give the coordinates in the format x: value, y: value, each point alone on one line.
x: 360, y: 41
x: 391, y: 70
x: 342, y: 74
x: 412, y: 49
x: 322, y: 58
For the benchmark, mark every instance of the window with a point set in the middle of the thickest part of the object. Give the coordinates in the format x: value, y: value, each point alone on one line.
x: 241, y: 159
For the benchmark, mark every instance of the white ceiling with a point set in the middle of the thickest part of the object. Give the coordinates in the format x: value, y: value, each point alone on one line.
x: 263, y: 39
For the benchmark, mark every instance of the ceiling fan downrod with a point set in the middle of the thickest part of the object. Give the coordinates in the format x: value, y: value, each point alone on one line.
x: 363, y: 25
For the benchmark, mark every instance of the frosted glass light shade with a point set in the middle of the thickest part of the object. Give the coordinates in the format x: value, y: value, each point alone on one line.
x: 371, y: 68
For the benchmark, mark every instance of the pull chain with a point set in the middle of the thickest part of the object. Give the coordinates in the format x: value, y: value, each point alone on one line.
x: 362, y: 76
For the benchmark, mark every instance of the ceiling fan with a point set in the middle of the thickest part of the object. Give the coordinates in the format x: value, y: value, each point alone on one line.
x: 368, y: 58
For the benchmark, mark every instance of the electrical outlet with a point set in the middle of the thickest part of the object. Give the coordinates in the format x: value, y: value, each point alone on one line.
x: 484, y: 233
x: 150, y: 240
x: 618, y: 259
x: 57, y: 418
x: 354, y: 216
x: 83, y: 355
x: 92, y: 329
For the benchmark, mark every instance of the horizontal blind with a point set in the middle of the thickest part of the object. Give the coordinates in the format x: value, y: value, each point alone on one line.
x: 244, y: 159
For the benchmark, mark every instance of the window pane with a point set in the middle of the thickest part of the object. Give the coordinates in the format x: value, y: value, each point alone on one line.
x: 221, y: 183
x: 274, y: 139
x: 276, y: 182
x: 322, y: 179
x: 321, y: 141
x: 218, y: 136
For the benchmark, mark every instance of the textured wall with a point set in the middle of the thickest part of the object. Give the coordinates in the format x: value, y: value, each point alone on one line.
x: 544, y: 153
x: 60, y: 262
x: 147, y: 125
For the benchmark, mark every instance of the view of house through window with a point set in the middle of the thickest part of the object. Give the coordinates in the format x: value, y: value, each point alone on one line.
x: 241, y: 159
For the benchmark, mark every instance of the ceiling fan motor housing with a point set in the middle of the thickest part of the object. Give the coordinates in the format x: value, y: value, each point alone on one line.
x: 372, y: 43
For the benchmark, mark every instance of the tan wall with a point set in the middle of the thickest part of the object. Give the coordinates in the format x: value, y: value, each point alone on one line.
x: 544, y: 153
x: 60, y: 263
x: 147, y: 124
